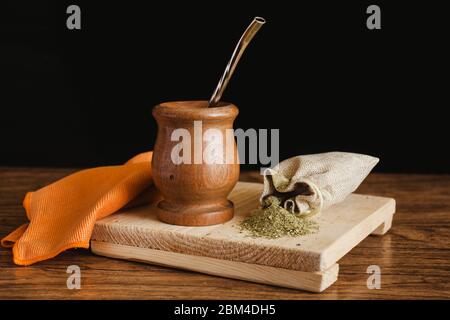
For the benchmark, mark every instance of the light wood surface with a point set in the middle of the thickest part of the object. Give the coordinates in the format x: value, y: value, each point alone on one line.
x: 341, y: 227
x: 413, y: 256
x: 309, y: 281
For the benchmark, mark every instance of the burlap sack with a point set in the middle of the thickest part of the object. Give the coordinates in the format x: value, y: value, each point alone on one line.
x: 307, y: 184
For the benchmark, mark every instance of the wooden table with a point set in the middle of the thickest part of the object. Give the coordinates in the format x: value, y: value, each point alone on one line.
x: 414, y: 256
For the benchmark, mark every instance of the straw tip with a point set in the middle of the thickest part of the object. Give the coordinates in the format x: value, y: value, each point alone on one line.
x: 260, y: 20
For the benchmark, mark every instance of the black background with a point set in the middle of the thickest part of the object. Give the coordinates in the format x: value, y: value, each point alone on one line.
x: 164, y: 309
x: 84, y: 97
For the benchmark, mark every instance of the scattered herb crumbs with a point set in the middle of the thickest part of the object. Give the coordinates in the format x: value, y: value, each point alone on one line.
x: 273, y: 221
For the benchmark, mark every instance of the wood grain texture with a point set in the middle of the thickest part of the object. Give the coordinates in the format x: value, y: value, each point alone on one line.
x: 309, y: 281
x: 341, y: 227
x: 413, y: 256
x: 195, y: 191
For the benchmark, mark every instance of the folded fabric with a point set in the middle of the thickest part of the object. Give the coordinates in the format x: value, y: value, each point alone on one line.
x: 307, y: 184
x: 62, y: 215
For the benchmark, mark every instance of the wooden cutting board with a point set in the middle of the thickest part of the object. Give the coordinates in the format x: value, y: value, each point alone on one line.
x: 306, y: 262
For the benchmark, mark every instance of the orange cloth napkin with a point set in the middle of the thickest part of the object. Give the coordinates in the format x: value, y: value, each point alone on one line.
x: 62, y: 215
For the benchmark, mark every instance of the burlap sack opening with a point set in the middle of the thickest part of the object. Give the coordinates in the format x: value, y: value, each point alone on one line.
x: 307, y: 184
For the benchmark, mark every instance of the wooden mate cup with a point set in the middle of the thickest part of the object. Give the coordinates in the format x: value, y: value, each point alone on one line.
x: 195, y: 171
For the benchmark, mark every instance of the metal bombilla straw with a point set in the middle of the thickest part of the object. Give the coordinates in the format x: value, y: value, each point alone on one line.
x: 246, y: 37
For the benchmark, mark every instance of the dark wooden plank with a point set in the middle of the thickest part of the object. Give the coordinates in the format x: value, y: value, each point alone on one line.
x: 414, y: 256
